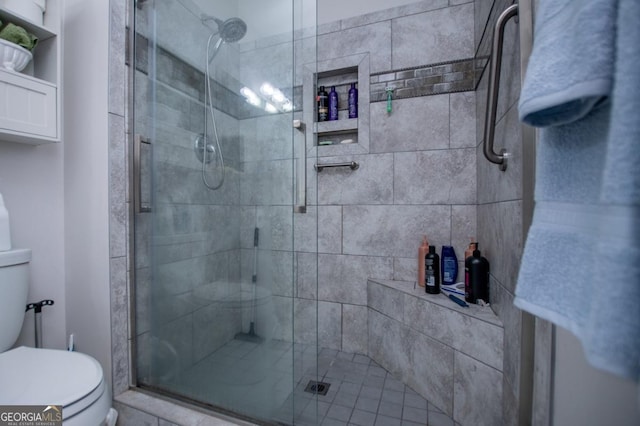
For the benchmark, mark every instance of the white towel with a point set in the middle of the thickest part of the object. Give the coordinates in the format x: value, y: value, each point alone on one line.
x: 581, y: 263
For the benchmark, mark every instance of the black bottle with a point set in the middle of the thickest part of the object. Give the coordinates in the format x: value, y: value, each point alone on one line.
x: 432, y: 271
x: 476, y: 278
x: 323, y: 104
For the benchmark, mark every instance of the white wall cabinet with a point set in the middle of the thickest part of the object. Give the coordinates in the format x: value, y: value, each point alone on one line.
x: 30, y: 101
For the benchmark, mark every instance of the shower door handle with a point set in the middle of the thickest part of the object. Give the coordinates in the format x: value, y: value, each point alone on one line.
x: 142, y: 205
x: 300, y: 205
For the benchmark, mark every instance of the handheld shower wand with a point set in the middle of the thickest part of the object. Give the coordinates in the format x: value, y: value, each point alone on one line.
x: 229, y: 31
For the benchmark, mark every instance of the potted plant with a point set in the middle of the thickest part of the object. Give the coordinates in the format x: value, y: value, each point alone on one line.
x: 16, y: 45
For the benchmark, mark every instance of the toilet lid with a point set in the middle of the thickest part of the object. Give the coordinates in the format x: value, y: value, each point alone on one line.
x: 14, y: 257
x: 30, y: 376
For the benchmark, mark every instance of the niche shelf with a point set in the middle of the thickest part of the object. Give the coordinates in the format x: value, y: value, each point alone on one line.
x: 347, y: 135
x: 338, y: 126
x: 30, y: 100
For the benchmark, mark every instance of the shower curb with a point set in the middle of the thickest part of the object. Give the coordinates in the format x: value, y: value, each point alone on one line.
x: 140, y: 405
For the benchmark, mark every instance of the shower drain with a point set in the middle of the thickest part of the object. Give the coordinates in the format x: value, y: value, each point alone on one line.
x: 317, y: 388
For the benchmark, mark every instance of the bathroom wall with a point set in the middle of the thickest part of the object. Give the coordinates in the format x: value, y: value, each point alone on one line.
x: 31, y: 183
x: 500, y: 198
x: 171, y: 20
x: 333, y: 10
x: 57, y: 195
x: 417, y: 175
x: 265, y: 18
x: 583, y: 395
x: 86, y: 178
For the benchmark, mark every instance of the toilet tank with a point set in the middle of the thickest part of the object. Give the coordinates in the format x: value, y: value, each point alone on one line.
x: 14, y: 287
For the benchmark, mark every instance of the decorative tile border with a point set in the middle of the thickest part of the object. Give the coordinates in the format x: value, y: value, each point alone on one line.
x: 176, y: 73
x: 434, y: 79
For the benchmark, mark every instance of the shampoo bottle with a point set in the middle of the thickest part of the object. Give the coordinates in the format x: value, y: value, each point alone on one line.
x: 333, y: 104
x: 469, y: 251
x: 5, y: 235
x: 422, y: 254
x: 432, y: 271
x: 449, y: 265
x: 323, y: 104
x: 353, y: 101
x: 476, y: 278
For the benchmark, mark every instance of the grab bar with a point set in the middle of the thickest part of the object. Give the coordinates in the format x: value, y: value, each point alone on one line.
x: 494, y: 87
x: 301, y: 171
x: 351, y: 164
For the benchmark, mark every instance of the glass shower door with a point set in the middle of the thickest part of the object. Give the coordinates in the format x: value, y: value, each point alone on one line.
x: 215, y: 176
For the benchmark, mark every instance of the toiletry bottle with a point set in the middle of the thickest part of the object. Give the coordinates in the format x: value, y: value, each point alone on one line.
x: 449, y: 265
x: 333, y: 104
x: 422, y: 254
x: 476, y: 278
x: 323, y: 104
x: 432, y: 271
x: 353, y: 101
x: 5, y: 234
x: 469, y: 251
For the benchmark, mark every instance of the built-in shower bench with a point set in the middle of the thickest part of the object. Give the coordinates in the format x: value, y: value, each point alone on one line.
x: 451, y: 355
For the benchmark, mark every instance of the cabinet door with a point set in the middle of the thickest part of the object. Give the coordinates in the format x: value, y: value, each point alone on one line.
x: 27, y: 106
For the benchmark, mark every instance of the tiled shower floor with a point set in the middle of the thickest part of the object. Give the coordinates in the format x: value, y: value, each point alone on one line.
x: 253, y: 378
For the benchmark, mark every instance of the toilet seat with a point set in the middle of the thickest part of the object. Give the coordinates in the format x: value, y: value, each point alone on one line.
x: 30, y: 376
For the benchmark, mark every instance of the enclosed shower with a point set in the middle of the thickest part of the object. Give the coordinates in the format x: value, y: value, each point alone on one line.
x: 274, y: 255
x: 214, y: 261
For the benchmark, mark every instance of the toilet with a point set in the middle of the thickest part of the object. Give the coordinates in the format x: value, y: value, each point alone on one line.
x: 35, y: 376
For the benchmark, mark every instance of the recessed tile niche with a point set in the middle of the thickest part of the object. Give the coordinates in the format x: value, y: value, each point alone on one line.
x: 347, y: 135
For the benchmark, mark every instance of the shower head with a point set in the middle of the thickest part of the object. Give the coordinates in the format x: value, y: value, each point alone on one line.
x: 231, y: 30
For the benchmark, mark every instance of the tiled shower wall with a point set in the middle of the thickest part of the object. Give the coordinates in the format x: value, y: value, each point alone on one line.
x: 118, y: 197
x: 193, y: 233
x: 500, y: 197
x: 417, y: 177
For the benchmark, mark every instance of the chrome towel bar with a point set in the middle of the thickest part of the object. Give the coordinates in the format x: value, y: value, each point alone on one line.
x: 494, y: 88
x: 351, y: 164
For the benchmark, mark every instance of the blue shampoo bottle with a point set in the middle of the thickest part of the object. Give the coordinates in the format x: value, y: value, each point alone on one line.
x: 449, y: 265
